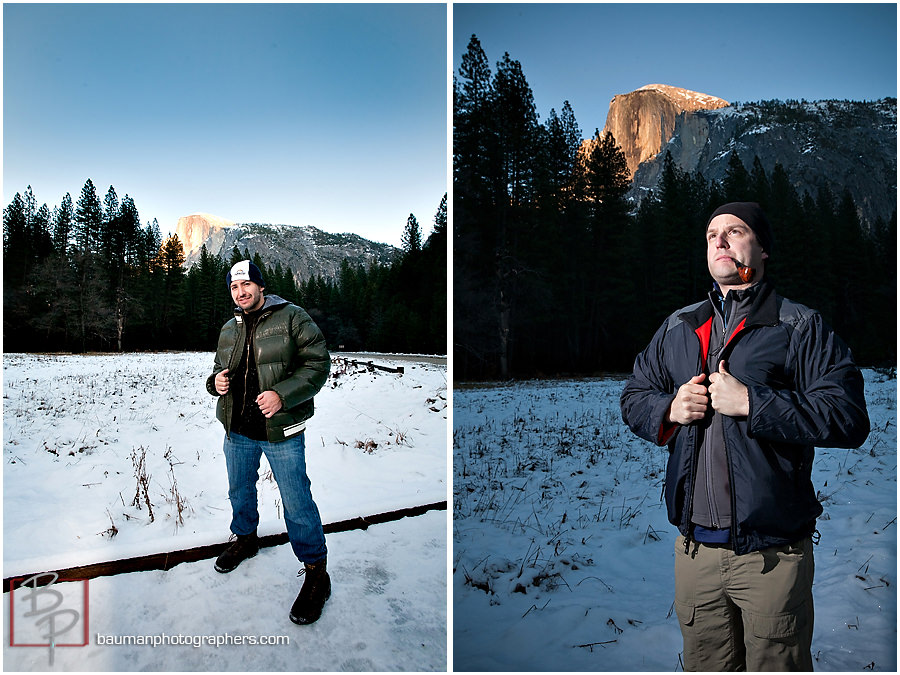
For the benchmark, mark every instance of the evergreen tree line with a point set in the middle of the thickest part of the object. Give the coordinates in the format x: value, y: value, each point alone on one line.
x: 554, y: 273
x: 89, y: 277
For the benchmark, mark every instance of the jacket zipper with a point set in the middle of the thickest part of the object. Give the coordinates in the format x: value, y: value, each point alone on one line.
x: 696, y: 454
x: 249, y: 341
x: 696, y: 459
x: 229, y: 408
x: 690, y: 501
x: 713, y: 511
x: 733, y: 523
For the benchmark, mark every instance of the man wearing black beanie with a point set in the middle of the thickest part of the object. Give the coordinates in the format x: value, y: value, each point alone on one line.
x: 742, y: 387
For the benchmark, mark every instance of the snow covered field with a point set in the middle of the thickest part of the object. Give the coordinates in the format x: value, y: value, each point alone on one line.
x: 563, y: 555
x: 113, y: 456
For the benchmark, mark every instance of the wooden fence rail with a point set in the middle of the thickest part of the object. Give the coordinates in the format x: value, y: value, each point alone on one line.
x: 168, y: 560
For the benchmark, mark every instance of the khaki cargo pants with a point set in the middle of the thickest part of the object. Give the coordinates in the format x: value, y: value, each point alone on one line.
x: 745, y: 612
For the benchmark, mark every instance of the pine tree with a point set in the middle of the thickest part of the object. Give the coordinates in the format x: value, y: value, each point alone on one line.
x: 853, y: 283
x: 473, y: 135
x: 30, y: 238
x: 440, y: 218
x: 212, y: 301
x: 787, y: 220
x: 512, y: 185
x: 13, y: 224
x: 258, y: 261
x: 109, y: 225
x: 88, y: 220
x: 171, y: 255
x: 42, y: 239
x: 412, y: 236
x: 94, y: 314
x: 737, y: 180
x: 57, y: 293
x: 474, y: 215
x: 168, y: 266
x: 517, y: 126
x: 123, y: 244
x: 607, y: 175
x: 759, y: 185
x: 433, y: 272
x: 562, y: 142
x: 62, y: 226
x: 606, y: 182
x: 148, y: 241
x: 15, y: 242
x: 289, y: 286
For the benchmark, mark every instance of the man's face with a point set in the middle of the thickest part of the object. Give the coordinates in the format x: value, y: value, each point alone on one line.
x: 728, y: 238
x: 248, y: 295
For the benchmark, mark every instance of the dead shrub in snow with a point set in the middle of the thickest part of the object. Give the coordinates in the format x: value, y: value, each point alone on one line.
x: 142, y: 491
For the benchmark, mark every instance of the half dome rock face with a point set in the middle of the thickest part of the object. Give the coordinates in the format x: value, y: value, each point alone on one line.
x: 643, y: 121
x: 196, y: 229
x: 305, y: 250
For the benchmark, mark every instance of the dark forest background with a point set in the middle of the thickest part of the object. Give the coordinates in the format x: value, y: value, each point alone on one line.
x: 552, y: 273
x: 88, y: 277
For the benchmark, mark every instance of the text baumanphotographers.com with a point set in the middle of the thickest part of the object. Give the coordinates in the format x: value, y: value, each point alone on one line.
x: 193, y: 640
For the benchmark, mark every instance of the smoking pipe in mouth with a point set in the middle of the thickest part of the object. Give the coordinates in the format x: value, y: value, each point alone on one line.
x: 744, y: 272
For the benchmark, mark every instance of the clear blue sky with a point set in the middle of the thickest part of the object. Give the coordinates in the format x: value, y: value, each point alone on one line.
x: 322, y: 114
x: 588, y: 53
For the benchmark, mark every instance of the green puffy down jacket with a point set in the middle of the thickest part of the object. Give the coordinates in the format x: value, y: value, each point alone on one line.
x: 291, y: 360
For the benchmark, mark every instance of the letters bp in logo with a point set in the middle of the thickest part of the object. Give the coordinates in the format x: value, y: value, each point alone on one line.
x: 43, y: 613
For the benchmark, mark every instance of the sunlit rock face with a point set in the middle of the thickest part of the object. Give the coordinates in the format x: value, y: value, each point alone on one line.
x: 839, y: 146
x: 306, y: 250
x: 194, y: 230
x: 643, y: 121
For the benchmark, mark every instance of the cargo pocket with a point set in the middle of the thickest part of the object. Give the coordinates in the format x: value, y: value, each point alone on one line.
x: 781, y: 627
x: 685, y: 613
x: 779, y: 642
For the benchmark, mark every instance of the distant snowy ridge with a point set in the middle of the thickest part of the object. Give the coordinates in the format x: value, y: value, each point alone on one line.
x: 306, y: 250
x: 692, y: 100
x: 836, y: 144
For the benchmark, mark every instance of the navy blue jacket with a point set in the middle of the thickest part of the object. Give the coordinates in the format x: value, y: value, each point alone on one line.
x: 804, y: 390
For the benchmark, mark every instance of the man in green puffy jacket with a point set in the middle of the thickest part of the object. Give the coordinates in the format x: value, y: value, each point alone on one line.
x: 270, y: 361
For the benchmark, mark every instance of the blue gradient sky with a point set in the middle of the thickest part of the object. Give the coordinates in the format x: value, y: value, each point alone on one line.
x: 588, y: 53
x: 328, y: 115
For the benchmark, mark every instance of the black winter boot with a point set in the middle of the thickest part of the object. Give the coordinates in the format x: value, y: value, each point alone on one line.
x: 244, y: 546
x: 316, y: 590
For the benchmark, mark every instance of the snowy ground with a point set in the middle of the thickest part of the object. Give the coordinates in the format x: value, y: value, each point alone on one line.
x: 563, y: 556
x: 94, y: 444
x: 387, y: 611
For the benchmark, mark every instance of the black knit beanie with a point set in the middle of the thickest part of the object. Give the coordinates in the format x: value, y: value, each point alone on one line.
x: 753, y: 215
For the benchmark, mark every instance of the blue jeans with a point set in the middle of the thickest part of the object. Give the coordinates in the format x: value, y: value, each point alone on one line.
x: 288, y: 462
